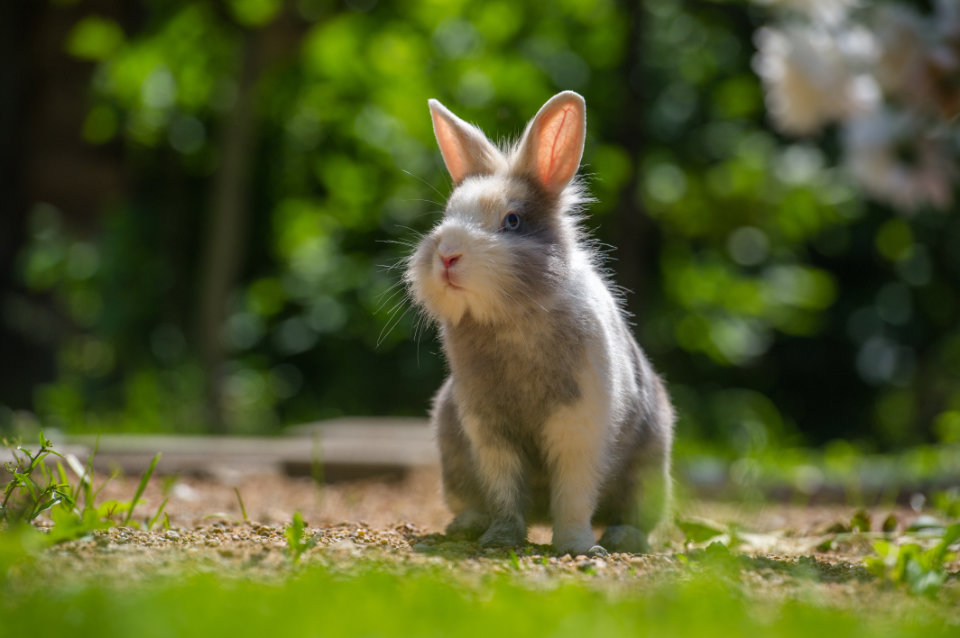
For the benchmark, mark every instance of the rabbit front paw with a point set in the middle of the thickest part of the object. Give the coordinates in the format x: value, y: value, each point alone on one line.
x: 505, y: 531
x: 575, y: 541
x: 468, y: 525
x: 625, y: 539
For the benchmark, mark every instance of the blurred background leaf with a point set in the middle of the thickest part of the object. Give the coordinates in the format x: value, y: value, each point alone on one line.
x: 208, y: 205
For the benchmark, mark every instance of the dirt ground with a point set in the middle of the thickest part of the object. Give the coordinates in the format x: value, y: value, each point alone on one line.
x: 270, y: 499
x: 407, y: 517
x: 396, y: 525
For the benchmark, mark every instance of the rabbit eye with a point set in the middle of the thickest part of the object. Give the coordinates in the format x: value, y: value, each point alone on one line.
x: 511, y: 221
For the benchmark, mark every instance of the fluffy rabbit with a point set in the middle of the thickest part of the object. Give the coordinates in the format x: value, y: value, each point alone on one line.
x: 550, y: 406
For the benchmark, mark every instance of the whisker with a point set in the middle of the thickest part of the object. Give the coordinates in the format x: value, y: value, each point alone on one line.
x: 392, y: 323
x: 401, y: 263
x: 416, y: 233
x: 428, y: 184
x: 427, y: 201
x: 393, y: 310
x: 398, y: 242
x: 391, y: 287
x: 423, y: 323
x: 389, y: 299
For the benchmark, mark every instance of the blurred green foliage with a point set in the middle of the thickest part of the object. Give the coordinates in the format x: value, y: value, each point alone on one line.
x: 782, y: 306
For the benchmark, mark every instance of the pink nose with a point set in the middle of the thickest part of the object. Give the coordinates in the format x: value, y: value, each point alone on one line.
x: 449, y: 260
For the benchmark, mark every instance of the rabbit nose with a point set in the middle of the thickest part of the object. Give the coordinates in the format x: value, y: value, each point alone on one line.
x: 449, y: 260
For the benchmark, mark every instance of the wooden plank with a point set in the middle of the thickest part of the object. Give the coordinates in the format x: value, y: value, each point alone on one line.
x: 342, y: 449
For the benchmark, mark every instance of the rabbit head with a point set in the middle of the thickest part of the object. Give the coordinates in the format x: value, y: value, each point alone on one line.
x: 508, y: 233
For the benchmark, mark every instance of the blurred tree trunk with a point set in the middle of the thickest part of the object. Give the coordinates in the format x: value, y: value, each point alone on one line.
x: 226, y: 231
x: 633, y: 227
x: 20, y: 74
x: 18, y: 21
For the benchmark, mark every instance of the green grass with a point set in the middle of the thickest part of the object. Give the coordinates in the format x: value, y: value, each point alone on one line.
x: 35, y: 489
x: 706, y: 592
x: 373, y: 601
x: 296, y: 544
x: 921, y: 569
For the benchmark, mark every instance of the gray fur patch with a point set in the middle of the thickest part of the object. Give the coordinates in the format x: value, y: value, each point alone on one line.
x: 514, y: 377
x: 460, y: 482
x: 512, y: 383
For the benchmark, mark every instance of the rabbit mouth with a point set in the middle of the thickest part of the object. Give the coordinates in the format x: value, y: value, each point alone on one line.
x: 450, y: 282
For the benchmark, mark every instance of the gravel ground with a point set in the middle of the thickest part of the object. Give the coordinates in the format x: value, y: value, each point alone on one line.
x: 270, y: 499
x: 397, y: 525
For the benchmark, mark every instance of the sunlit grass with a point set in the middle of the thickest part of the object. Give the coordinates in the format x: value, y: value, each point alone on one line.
x: 706, y: 586
x: 372, y: 600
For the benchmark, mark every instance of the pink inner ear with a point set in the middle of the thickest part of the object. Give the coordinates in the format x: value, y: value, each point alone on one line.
x: 449, y: 145
x: 559, y: 148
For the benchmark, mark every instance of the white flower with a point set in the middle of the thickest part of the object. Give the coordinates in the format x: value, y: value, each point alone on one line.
x: 896, y: 162
x: 810, y: 77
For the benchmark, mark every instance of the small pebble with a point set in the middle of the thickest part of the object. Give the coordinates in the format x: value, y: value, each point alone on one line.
x: 345, y: 545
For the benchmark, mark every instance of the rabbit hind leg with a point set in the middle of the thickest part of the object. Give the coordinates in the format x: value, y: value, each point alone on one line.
x: 461, y: 489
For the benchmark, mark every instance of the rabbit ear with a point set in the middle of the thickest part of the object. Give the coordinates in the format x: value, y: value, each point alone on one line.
x: 466, y: 150
x: 552, y: 144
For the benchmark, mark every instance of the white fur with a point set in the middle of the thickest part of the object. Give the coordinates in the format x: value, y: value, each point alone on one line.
x: 577, y: 437
x: 473, y: 216
x: 499, y: 465
x: 575, y: 445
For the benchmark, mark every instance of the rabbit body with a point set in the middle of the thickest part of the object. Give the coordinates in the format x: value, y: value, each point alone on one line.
x: 551, y: 407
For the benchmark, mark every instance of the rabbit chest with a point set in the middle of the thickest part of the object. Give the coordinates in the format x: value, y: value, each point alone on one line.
x: 513, y: 377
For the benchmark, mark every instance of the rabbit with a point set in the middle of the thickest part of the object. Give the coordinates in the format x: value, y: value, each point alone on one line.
x: 550, y: 407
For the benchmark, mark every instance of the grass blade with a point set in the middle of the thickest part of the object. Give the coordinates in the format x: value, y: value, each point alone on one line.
x: 86, y: 483
x: 156, y: 517
x: 142, y: 486
x: 243, y: 510
x: 62, y: 475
